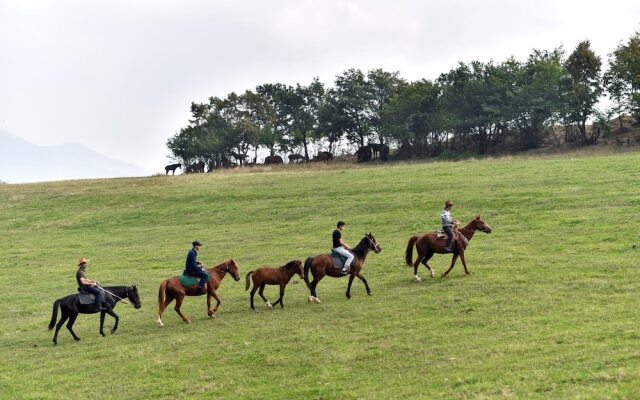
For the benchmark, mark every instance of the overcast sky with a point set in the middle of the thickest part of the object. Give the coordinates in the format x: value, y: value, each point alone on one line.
x: 119, y: 76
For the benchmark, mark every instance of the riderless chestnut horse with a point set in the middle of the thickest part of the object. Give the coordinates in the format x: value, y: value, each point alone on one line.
x: 323, y: 265
x: 171, y: 289
x: 273, y: 276
x: 71, y: 307
x: 429, y: 244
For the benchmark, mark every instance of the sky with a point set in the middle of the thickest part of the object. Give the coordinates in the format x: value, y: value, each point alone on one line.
x: 119, y: 76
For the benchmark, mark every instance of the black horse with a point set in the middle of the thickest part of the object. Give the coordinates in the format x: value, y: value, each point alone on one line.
x: 71, y: 307
x: 172, y: 168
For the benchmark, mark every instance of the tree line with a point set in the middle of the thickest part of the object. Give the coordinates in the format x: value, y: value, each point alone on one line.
x: 476, y: 107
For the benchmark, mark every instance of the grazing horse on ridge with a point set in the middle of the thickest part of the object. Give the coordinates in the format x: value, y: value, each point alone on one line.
x: 429, y: 244
x: 172, y: 168
x: 322, y: 265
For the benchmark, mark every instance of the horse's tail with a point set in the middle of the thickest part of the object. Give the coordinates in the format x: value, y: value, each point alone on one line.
x: 247, y: 285
x: 408, y: 255
x: 307, y: 267
x: 54, y: 314
x: 162, y: 292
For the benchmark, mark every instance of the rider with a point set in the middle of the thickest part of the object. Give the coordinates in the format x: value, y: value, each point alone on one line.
x: 340, y: 247
x: 194, y: 267
x: 86, y: 285
x: 447, y: 224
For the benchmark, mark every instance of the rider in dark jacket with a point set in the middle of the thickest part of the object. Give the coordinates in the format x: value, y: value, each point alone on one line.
x: 194, y: 268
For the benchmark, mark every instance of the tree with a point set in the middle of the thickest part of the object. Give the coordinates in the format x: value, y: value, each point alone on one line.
x: 585, y: 87
x: 623, y: 78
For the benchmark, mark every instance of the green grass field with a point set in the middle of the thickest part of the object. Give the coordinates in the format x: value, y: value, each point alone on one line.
x: 551, y: 310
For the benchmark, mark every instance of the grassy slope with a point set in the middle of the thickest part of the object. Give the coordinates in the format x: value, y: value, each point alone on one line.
x: 551, y: 310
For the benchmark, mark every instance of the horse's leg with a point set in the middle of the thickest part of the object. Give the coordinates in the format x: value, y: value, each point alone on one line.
x: 209, y: 310
x: 161, y: 307
x: 280, y: 299
x: 464, y: 263
x: 218, y: 301
x: 453, y: 262
x: 63, y: 318
x: 314, y: 284
x: 416, y: 264
x: 366, y: 285
x: 253, y: 292
x: 177, y: 308
x: 115, y: 316
x: 351, y: 276
x: 425, y: 261
x: 102, y: 322
x: 72, y: 320
x: 261, y: 293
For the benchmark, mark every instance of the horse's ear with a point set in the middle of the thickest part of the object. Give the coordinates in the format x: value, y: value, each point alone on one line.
x: 478, y: 217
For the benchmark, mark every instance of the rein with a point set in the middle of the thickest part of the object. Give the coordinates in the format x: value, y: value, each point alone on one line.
x: 124, y: 301
x: 226, y: 270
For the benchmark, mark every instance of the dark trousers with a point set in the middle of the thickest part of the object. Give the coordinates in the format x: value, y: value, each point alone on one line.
x: 200, y: 274
x: 449, y: 231
x: 94, y: 291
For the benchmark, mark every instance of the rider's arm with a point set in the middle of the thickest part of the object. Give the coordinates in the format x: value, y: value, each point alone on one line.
x: 86, y: 281
x: 345, y: 245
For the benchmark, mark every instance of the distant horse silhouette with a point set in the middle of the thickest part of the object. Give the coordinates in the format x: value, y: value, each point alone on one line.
x: 172, y: 168
x: 323, y: 156
x: 195, y: 167
x: 71, y: 307
x: 384, y: 152
x: 429, y: 244
x: 323, y: 265
x: 171, y: 289
x: 375, y: 148
x: 273, y: 160
x: 241, y: 158
x: 273, y: 276
x: 364, y: 154
x: 296, y: 158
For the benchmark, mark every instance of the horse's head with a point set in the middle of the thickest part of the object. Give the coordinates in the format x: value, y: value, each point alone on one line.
x: 299, y: 268
x: 134, y: 298
x: 232, y: 268
x: 372, y: 244
x: 480, y: 225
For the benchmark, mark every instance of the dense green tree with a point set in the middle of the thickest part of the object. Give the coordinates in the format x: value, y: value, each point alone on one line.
x: 585, y: 87
x: 623, y: 77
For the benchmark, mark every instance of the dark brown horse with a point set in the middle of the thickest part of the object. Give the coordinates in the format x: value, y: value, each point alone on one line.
x: 172, y: 168
x: 273, y: 276
x: 71, y: 307
x: 323, y: 265
x: 429, y: 244
x: 171, y: 289
x: 273, y: 160
x: 323, y: 156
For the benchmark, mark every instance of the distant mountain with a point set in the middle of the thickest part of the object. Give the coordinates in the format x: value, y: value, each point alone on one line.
x: 21, y: 162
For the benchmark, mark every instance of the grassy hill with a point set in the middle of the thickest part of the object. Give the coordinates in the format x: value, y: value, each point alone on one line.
x: 551, y: 311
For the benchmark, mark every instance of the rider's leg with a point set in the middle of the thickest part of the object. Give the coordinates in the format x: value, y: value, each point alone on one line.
x: 449, y: 233
x: 347, y: 254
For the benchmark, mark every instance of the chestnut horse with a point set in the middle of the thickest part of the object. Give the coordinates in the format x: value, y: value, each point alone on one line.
x: 429, y: 244
x: 171, y: 289
x: 323, y: 265
x: 273, y: 276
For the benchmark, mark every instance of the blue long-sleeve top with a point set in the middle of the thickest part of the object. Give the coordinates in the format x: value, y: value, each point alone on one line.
x: 192, y: 261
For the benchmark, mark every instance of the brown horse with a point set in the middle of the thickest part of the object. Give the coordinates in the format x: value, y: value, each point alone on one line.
x: 273, y: 276
x: 429, y: 244
x: 323, y: 265
x: 171, y: 289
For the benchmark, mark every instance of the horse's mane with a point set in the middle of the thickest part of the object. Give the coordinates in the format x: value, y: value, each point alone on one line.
x: 290, y: 264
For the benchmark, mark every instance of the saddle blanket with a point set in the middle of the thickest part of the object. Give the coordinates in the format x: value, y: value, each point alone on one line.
x: 338, y: 260
x: 188, y: 280
x: 86, y: 298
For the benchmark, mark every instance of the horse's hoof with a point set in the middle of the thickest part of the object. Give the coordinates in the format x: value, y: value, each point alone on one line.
x: 102, y: 334
x: 160, y: 324
x: 76, y: 338
x: 310, y: 299
x: 369, y: 294
x: 416, y: 278
x: 187, y: 321
x: 269, y: 304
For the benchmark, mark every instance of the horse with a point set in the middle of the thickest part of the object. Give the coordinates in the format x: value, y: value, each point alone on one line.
x: 171, y: 289
x: 323, y: 156
x: 273, y: 160
x: 172, y: 168
x: 429, y: 244
x: 323, y: 265
x: 273, y: 276
x: 364, y: 154
x: 295, y: 158
x: 71, y: 307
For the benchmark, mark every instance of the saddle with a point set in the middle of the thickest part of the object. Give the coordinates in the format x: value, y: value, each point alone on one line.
x: 190, y: 280
x: 86, y: 298
x: 337, y: 259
